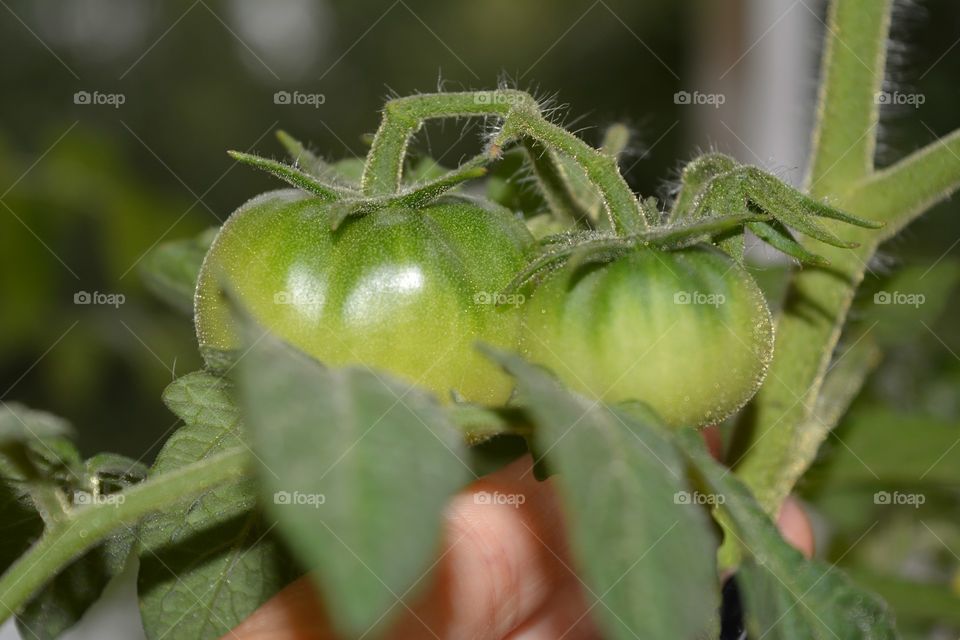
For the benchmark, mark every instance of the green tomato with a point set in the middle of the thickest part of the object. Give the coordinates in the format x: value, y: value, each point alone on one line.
x: 408, y: 291
x: 687, y: 332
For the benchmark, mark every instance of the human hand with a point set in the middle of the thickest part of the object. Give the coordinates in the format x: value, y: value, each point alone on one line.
x: 504, y: 573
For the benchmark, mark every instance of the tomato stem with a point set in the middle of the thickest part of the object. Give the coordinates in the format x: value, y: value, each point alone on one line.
x: 522, y: 118
x: 78, y: 530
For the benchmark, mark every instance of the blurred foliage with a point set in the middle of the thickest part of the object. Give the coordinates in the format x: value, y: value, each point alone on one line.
x: 86, y: 190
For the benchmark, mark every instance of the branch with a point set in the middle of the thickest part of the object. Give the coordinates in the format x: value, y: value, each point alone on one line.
x: 87, y: 526
x: 852, y: 74
x: 900, y: 193
x: 817, y: 302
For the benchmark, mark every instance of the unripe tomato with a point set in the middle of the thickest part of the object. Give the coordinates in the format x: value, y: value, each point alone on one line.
x: 688, y: 332
x: 409, y: 291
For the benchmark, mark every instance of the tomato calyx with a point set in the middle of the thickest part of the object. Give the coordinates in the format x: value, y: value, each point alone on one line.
x: 347, y: 202
x: 717, y: 201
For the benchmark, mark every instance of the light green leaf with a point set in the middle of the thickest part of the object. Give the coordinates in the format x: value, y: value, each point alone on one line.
x: 643, y: 546
x: 787, y: 596
x: 916, y: 296
x: 170, y: 269
x: 358, y: 468
x: 22, y: 424
x: 63, y: 601
x: 887, y: 449
x: 67, y: 597
x: 20, y: 524
x: 206, y: 565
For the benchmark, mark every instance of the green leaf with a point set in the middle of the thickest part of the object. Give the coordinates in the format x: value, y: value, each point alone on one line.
x: 900, y: 307
x: 170, y: 270
x: 888, y: 449
x: 67, y: 597
x: 20, y: 424
x: 303, y: 158
x: 644, y: 550
x: 206, y: 565
x: 413, y: 196
x: 63, y: 601
x: 20, y: 524
x: 359, y: 468
x: 290, y: 175
x: 787, y: 596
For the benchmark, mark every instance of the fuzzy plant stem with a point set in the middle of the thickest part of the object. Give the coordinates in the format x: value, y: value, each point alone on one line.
x: 778, y: 440
x: 81, y: 529
x: 522, y: 118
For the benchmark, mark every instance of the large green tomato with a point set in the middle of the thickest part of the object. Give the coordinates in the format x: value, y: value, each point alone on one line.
x: 409, y: 291
x: 687, y: 332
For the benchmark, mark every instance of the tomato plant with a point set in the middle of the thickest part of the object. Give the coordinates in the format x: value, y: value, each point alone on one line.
x: 364, y: 329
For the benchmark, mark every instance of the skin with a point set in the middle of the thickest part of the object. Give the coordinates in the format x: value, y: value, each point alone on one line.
x: 403, y: 290
x: 504, y: 573
x: 687, y: 332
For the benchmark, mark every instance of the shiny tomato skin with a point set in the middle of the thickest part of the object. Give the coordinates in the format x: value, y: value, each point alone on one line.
x: 407, y: 291
x: 688, y: 332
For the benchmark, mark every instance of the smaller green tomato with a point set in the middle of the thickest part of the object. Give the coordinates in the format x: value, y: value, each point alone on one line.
x: 408, y: 291
x: 688, y: 332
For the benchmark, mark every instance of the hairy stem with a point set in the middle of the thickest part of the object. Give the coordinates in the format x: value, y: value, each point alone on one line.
x: 818, y: 299
x: 83, y: 528
x: 521, y: 119
x: 854, y: 58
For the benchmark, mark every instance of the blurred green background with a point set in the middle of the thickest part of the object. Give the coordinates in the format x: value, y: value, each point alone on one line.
x: 87, y: 189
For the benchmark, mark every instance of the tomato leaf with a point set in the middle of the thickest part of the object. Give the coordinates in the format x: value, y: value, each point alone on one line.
x: 788, y: 597
x: 20, y: 524
x: 206, y: 565
x: 641, y: 547
x: 19, y: 424
x: 67, y: 597
x: 170, y: 269
x: 291, y: 175
x: 358, y: 468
